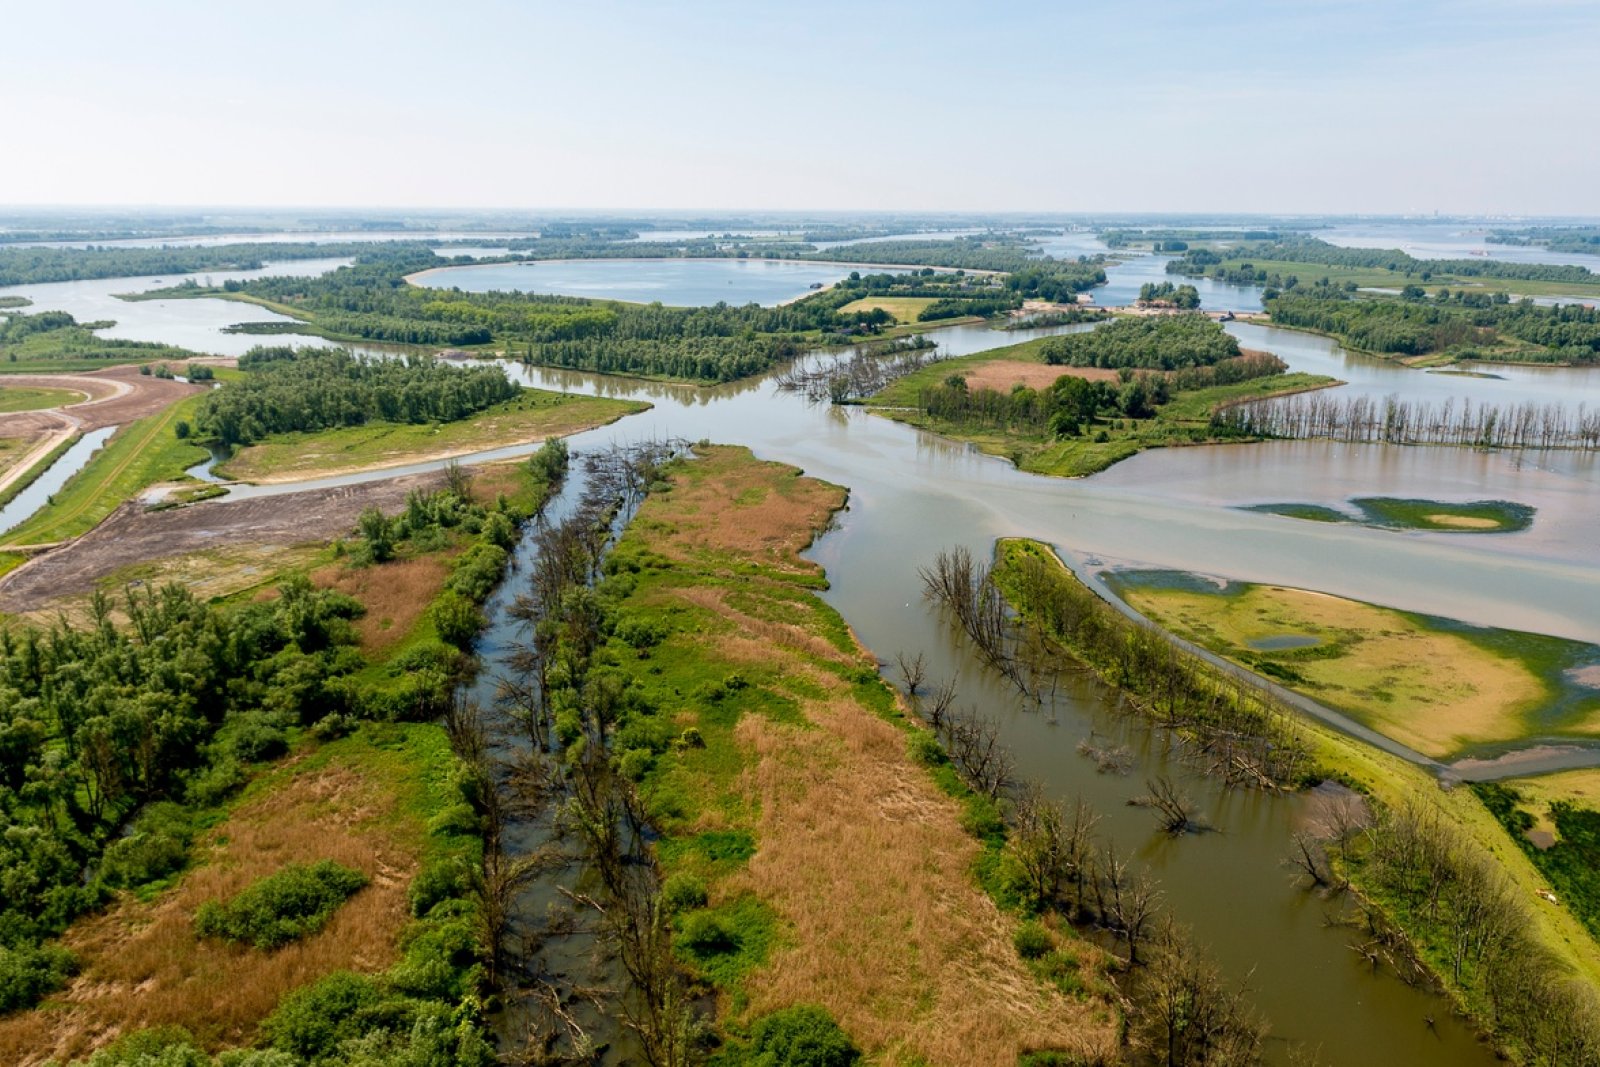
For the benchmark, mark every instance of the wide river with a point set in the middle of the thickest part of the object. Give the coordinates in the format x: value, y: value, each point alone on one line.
x: 913, y: 493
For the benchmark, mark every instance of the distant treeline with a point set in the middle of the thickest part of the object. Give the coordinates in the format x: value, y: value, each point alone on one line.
x: 31, y: 266
x: 1312, y: 250
x: 1166, y: 342
x: 56, y: 335
x: 370, y: 300
x: 1368, y: 420
x: 1463, y: 324
x: 1556, y: 238
x: 316, y: 389
x: 1178, y: 240
x: 1035, y: 277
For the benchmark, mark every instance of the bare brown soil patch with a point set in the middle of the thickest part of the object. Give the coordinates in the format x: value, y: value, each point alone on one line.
x: 1002, y: 374
x: 116, y: 396
x: 395, y: 594
x: 144, y: 967
x: 134, y: 535
x: 1463, y: 522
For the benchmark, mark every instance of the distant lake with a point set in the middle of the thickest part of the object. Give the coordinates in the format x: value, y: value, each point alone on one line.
x: 674, y: 282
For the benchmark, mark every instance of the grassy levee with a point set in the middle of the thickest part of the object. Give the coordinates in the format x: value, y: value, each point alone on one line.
x: 1185, y: 420
x: 10, y: 492
x: 533, y: 416
x: 1390, y: 784
x: 811, y: 858
x: 138, y: 456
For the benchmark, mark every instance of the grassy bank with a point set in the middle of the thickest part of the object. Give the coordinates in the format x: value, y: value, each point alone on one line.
x: 1184, y: 420
x: 10, y: 492
x: 1556, y: 947
x: 1435, y: 686
x: 137, y: 456
x: 811, y: 859
x: 533, y: 416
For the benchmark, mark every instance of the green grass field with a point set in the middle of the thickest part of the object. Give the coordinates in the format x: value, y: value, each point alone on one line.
x: 533, y: 416
x: 13, y: 398
x: 138, y: 456
x: 903, y: 308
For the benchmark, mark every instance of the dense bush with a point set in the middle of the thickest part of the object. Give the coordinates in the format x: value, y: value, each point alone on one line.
x: 282, y: 907
x: 28, y: 973
x: 155, y: 846
x: 1166, y: 342
x: 802, y: 1036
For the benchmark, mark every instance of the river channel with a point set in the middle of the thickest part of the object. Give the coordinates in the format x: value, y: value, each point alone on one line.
x: 913, y: 493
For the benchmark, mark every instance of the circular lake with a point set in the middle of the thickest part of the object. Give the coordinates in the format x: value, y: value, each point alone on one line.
x: 674, y: 282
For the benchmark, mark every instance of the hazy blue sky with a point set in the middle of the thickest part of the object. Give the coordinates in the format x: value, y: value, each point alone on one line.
x: 1342, y: 105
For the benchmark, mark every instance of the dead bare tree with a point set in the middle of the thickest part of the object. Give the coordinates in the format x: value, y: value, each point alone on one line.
x: 1175, y: 811
x: 913, y: 670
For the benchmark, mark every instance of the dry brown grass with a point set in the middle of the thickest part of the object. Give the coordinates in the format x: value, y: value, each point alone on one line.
x: 1002, y: 374
x: 867, y: 865
x: 859, y: 855
x: 143, y: 966
x: 724, y: 504
x: 395, y: 594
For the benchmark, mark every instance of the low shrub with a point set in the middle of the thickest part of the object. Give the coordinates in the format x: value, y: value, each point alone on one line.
x: 281, y: 907
x: 801, y: 1036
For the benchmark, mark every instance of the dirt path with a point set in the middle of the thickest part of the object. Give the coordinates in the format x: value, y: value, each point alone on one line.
x: 135, y: 535
x: 53, y: 436
x: 116, y: 395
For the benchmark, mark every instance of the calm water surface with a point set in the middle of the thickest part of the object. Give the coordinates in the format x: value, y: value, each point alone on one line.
x: 674, y: 282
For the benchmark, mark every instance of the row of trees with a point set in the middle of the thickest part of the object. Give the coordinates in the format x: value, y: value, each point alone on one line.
x: 371, y: 300
x: 31, y: 266
x: 1303, y: 249
x: 1450, y: 896
x: 1460, y: 323
x: 1239, y: 731
x: 1052, y: 860
x: 1391, y: 420
x: 316, y: 389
